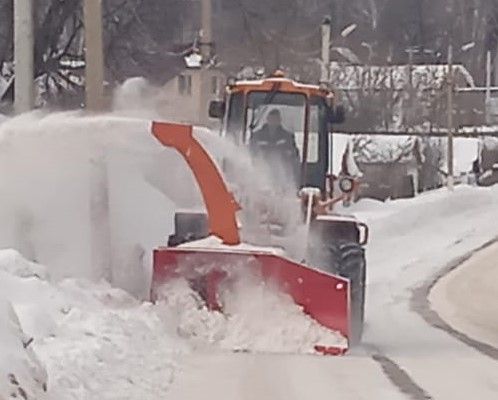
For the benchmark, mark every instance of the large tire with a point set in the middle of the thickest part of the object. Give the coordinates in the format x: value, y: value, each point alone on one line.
x: 347, y: 259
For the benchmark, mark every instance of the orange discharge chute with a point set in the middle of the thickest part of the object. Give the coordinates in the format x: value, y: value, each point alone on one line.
x: 220, y: 203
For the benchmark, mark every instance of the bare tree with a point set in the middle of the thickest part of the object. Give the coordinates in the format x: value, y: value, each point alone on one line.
x: 148, y: 37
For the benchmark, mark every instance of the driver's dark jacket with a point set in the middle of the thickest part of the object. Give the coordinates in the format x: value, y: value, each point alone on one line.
x: 277, y: 146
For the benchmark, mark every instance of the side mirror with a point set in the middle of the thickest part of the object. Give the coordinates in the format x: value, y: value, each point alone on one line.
x: 217, y: 109
x: 337, y: 114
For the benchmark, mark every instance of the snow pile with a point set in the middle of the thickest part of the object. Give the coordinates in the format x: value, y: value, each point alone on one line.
x: 256, y: 318
x: 94, y: 341
x: 21, y: 373
x: 215, y: 243
x: 108, y: 346
x: 466, y: 151
x: 401, y: 217
x: 13, y: 263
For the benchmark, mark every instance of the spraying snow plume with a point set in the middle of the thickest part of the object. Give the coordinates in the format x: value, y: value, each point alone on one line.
x: 58, y: 169
x: 255, y: 317
x: 137, y: 97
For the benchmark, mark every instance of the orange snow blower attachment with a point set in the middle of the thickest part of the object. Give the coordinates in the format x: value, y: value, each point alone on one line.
x: 324, y: 297
x: 220, y: 204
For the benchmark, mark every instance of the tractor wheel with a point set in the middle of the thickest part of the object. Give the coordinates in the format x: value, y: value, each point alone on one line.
x: 347, y: 259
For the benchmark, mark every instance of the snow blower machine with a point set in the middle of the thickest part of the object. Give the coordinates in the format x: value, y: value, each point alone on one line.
x: 274, y: 118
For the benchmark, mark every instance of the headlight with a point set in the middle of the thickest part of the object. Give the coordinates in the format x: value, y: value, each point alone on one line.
x: 346, y: 185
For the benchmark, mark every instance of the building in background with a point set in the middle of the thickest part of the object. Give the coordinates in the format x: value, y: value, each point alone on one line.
x: 189, y: 93
x: 397, y: 98
x: 201, y: 80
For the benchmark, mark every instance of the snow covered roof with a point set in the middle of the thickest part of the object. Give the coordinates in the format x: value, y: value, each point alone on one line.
x: 397, y: 77
x: 386, y: 149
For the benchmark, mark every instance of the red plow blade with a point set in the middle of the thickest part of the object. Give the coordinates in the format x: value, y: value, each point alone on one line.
x: 324, y: 297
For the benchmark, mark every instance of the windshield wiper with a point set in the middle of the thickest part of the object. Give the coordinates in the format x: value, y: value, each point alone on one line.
x: 266, y: 101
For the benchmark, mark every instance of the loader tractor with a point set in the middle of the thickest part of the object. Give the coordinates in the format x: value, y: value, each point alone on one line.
x: 329, y: 281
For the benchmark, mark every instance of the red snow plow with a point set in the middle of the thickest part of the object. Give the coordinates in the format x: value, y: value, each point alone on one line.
x: 324, y: 296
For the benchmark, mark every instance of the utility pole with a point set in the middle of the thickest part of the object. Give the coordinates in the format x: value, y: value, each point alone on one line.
x: 94, y: 55
x: 487, y: 103
x: 24, y: 87
x: 451, y: 88
x: 205, y: 73
x: 411, y: 52
x: 100, y: 229
x: 488, y: 77
x: 325, y: 76
x: 326, y: 28
x: 206, y: 43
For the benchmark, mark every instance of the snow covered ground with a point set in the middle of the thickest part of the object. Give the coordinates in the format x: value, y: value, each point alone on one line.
x: 89, y: 339
x: 411, y: 240
x: 21, y: 373
x: 92, y: 340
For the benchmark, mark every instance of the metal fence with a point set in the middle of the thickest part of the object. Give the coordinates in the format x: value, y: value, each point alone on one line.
x: 435, y: 104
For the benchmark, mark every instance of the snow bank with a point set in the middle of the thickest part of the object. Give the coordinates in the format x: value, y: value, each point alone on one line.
x: 466, y: 151
x: 21, y: 374
x: 403, y: 216
x: 13, y: 263
x: 256, y: 318
x: 94, y: 341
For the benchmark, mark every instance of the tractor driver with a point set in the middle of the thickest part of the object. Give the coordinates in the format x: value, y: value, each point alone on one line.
x: 277, y: 146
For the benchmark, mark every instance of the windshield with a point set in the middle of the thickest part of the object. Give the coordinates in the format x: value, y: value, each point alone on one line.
x: 292, y: 110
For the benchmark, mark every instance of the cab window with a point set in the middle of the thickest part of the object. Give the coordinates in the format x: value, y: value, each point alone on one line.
x: 290, y: 106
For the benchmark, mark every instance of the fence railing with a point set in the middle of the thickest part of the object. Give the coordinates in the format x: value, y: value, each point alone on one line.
x: 439, y: 101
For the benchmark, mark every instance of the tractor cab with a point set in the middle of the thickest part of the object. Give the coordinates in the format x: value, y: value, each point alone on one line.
x: 287, y: 118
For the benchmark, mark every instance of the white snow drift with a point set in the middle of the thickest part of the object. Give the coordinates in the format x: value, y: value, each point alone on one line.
x: 21, y: 373
x: 93, y: 341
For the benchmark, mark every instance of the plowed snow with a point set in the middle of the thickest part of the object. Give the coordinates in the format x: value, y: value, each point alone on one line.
x: 256, y: 318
